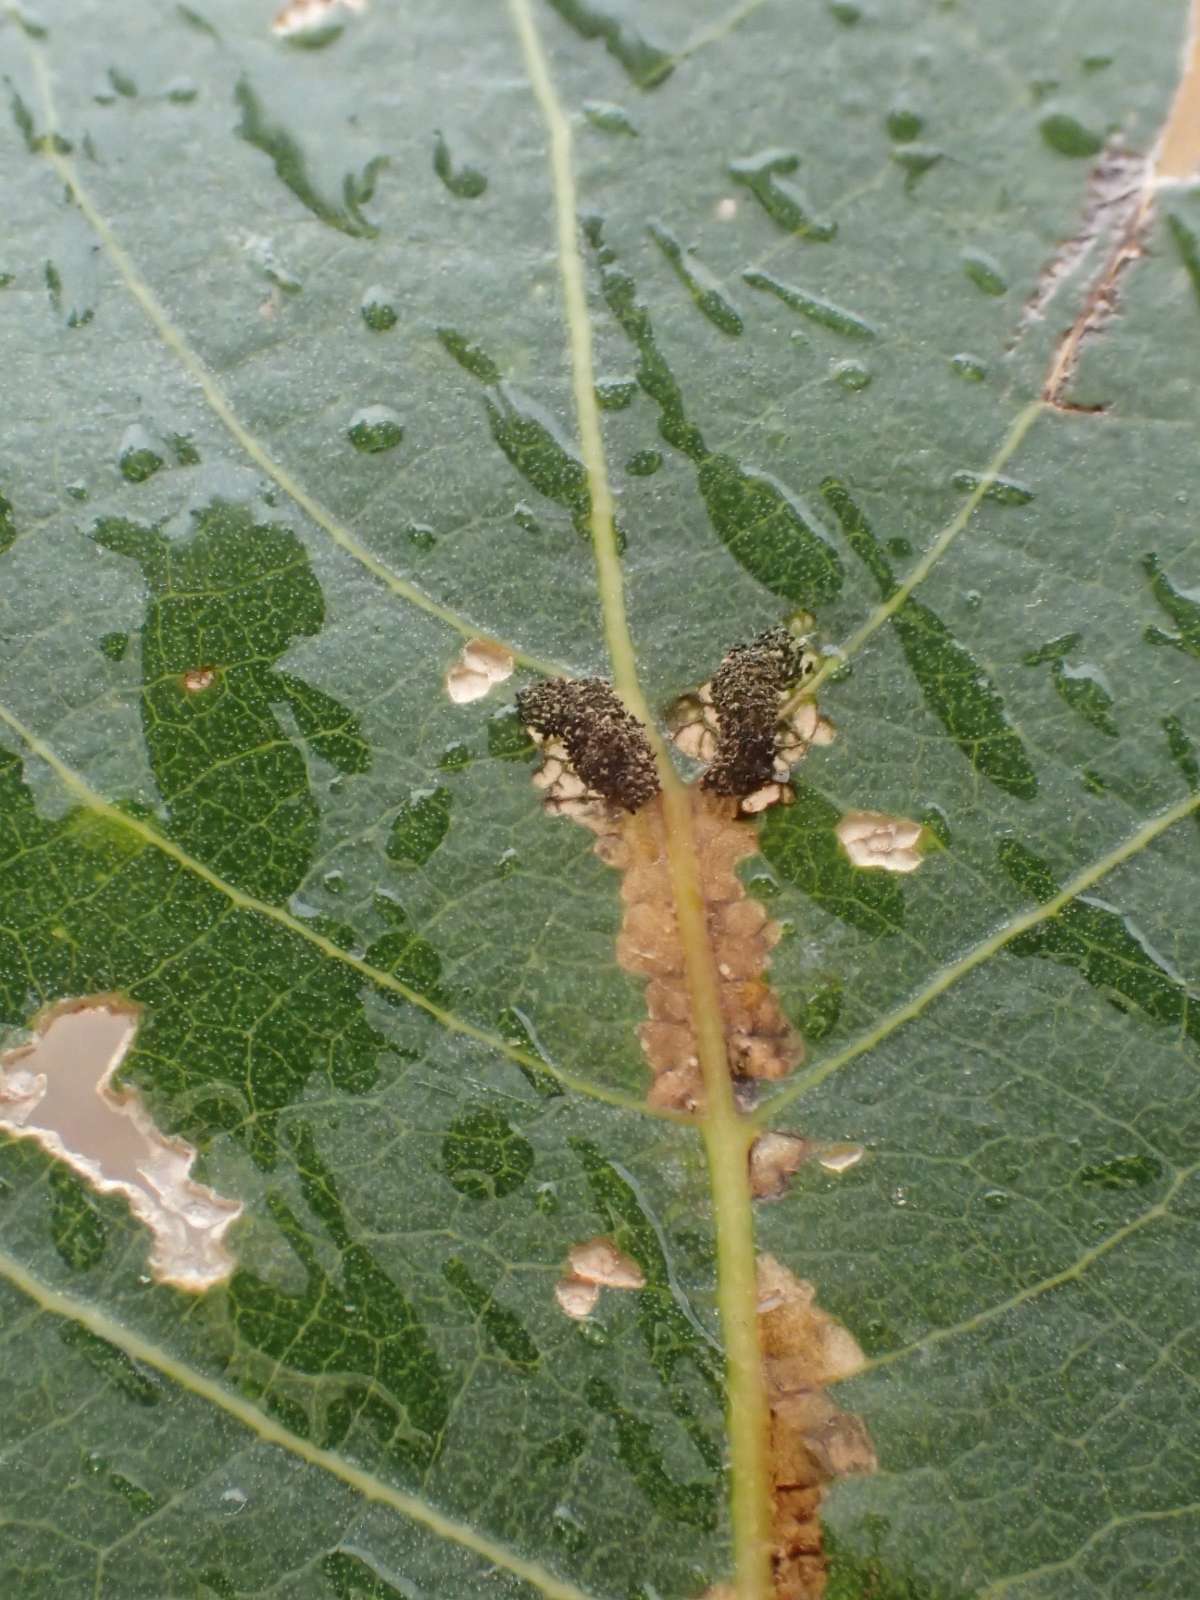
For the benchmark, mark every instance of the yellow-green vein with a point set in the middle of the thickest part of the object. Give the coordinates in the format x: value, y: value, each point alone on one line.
x: 983, y: 951
x: 726, y: 1133
x: 1033, y: 1291
x: 1021, y: 425
x: 219, y: 403
x: 711, y: 32
x: 57, y: 1304
x: 1001, y: 1586
x: 87, y: 796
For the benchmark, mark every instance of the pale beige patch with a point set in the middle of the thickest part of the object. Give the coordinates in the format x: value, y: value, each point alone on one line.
x: 872, y: 839
x: 599, y: 1262
x: 564, y: 791
x: 480, y: 666
x: 840, y: 1157
x: 298, y: 16
x: 59, y: 1091
x: 726, y: 208
x: 198, y: 679
x: 775, y: 1158
x: 576, y: 1298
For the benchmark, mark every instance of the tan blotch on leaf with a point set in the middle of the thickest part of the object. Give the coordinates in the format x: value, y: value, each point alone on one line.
x: 759, y: 1039
x: 59, y: 1091
x: 576, y: 1298
x: 599, y: 1261
x: 299, y: 16
x: 593, y: 1265
x: 812, y: 1443
x: 774, y: 1160
x: 480, y: 666
x: 872, y: 839
x: 198, y: 679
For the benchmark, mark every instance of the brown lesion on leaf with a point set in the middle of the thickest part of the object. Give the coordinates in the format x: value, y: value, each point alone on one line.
x: 479, y: 666
x: 598, y: 767
x: 1116, y: 213
x: 59, y: 1091
x: 196, y: 679
x: 592, y: 1265
x: 1118, y: 206
x: 760, y: 1041
x: 813, y: 1442
x: 776, y: 1157
x: 747, y: 726
x: 874, y: 839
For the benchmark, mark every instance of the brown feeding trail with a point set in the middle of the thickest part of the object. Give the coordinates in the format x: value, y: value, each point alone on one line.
x: 812, y: 1442
x: 760, y: 1041
x: 598, y: 768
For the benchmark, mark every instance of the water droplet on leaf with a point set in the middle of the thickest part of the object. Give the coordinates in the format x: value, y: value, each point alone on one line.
x: 609, y: 118
x: 852, y: 375
x: 904, y: 124
x: 374, y: 429
x: 139, y: 456
x: 969, y: 367
x: 1067, y: 135
x: 984, y: 272
x: 378, y: 312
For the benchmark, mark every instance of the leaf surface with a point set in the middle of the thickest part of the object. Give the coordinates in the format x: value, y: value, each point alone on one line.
x: 324, y: 351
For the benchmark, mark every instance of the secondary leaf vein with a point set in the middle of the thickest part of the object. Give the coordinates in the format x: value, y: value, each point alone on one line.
x: 267, y: 1429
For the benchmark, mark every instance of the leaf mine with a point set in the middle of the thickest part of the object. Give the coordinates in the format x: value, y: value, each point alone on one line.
x: 872, y: 839
x: 812, y: 1442
x: 592, y: 1265
x: 59, y: 1091
x: 599, y: 1261
x: 776, y: 1157
x: 598, y: 768
x: 481, y: 664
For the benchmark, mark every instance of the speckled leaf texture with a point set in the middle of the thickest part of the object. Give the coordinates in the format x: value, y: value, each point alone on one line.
x: 288, y: 399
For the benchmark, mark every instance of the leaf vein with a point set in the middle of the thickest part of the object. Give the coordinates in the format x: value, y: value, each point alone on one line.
x: 57, y: 1304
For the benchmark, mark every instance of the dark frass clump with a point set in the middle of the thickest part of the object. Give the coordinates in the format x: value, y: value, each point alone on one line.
x: 746, y: 692
x: 606, y: 745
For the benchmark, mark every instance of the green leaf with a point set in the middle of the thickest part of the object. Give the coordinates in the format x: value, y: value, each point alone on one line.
x: 331, y: 349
